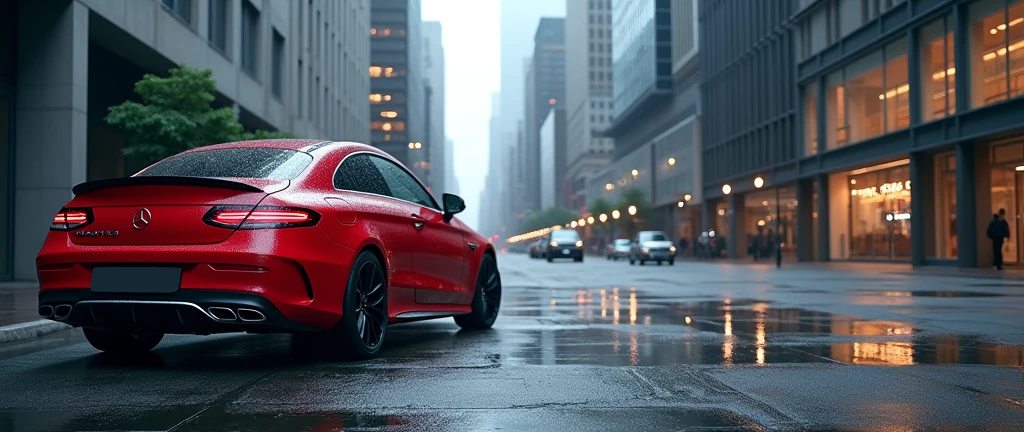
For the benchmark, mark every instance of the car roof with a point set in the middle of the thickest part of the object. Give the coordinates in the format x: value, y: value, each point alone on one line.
x: 297, y: 144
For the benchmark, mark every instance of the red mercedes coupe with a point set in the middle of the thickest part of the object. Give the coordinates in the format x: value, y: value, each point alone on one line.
x: 330, y: 241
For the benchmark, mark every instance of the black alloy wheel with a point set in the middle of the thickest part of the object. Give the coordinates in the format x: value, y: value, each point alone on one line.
x: 365, y: 318
x: 486, y: 298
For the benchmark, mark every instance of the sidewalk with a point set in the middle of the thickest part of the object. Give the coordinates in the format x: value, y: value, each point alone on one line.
x: 18, y: 317
x: 1010, y: 273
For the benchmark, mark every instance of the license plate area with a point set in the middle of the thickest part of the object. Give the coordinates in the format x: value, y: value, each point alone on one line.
x: 565, y: 251
x: 139, y: 280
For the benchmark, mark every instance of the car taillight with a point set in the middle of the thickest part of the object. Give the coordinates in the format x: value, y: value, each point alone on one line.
x: 261, y: 217
x: 69, y: 219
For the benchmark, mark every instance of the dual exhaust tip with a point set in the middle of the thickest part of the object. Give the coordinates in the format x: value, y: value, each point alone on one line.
x: 59, y: 312
x: 242, y: 314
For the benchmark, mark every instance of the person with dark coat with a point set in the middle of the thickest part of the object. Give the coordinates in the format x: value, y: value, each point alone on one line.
x: 999, y: 231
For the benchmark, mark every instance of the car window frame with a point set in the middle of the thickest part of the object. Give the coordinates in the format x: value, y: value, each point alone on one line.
x: 416, y: 181
x: 436, y: 207
x: 337, y: 171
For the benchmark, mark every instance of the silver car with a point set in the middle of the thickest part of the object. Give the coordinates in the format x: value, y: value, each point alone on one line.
x: 652, y: 246
x: 618, y: 249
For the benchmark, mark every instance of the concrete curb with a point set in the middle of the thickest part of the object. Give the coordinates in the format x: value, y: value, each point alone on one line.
x: 30, y: 330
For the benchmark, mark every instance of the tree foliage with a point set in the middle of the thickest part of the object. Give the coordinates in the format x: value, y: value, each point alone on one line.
x: 175, y: 115
x: 638, y: 198
x: 548, y: 218
x: 598, y: 207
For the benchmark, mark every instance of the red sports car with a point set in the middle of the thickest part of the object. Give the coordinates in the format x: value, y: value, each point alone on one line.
x: 331, y: 241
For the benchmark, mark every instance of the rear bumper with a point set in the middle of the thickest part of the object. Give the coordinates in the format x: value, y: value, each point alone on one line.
x: 183, y: 312
x: 299, y: 272
x: 555, y: 253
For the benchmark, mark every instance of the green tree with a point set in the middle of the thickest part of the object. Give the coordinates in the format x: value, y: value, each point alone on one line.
x: 175, y: 115
x: 598, y: 207
x: 547, y: 218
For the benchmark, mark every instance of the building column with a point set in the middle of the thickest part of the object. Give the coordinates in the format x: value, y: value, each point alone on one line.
x: 50, y: 145
x: 922, y: 207
x: 967, y: 207
x: 737, y: 239
x: 821, y: 207
x: 805, y: 220
x: 707, y: 215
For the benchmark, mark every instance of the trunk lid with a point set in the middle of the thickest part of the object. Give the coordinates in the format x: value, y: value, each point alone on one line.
x: 149, y: 211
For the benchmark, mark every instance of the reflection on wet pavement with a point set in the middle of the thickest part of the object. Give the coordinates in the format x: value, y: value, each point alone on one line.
x: 947, y: 294
x: 621, y: 326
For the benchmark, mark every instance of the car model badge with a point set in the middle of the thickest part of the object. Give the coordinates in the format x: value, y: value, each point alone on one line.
x: 142, y: 218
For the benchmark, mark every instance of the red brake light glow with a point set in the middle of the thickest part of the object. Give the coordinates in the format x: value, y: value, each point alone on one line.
x: 239, y: 217
x: 68, y: 219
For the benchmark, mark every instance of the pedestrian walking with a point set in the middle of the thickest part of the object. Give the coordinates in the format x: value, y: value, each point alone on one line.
x: 999, y: 231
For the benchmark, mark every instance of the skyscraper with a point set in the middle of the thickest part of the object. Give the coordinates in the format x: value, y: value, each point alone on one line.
x: 545, y: 87
x: 433, y: 66
x: 588, y: 93
x: 397, y: 90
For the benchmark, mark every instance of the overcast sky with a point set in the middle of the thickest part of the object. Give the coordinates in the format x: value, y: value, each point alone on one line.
x: 470, y: 35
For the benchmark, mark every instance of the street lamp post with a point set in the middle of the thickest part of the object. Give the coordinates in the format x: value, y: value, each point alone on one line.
x: 758, y: 184
x: 778, y: 229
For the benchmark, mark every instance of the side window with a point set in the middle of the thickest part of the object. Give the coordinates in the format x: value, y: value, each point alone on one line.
x: 403, y: 186
x: 357, y: 173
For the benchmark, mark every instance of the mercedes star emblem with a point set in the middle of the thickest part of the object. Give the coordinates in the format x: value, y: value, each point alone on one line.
x: 142, y: 218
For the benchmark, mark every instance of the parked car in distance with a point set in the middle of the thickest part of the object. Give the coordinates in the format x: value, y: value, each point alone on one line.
x: 564, y: 243
x: 617, y: 249
x: 652, y: 246
x: 537, y: 248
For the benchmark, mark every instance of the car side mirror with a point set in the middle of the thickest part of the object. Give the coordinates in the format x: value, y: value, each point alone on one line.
x: 453, y: 205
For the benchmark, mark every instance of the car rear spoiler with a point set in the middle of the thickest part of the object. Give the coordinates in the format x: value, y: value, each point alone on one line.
x: 95, y: 185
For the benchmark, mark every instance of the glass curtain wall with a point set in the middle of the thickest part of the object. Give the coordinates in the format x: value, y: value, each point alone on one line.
x: 868, y: 97
x: 996, y: 51
x: 938, y: 83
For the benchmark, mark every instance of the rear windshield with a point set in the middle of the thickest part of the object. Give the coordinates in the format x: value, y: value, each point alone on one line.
x: 621, y: 242
x: 653, y: 237
x: 564, y: 235
x: 254, y: 163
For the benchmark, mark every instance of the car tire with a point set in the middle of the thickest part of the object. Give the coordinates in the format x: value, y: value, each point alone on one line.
x: 642, y: 262
x: 659, y: 262
x: 121, y: 342
x: 486, y: 298
x: 631, y: 261
x: 579, y: 260
x: 671, y: 262
x: 364, y: 321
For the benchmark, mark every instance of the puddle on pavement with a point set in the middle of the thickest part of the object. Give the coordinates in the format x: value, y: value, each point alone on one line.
x: 626, y: 328
x: 944, y: 294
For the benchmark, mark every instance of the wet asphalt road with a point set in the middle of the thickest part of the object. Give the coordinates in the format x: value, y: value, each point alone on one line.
x: 592, y: 346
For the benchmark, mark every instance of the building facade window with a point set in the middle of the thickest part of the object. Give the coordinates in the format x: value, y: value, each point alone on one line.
x: 996, y: 51
x: 387, y: 32
x: 250, y: 38
x: 182, y: 9
x: 811, y: 119
x: 218, y: 25
x: 880, y: 213
x: 938, y: 83
x: 869, y: 97
x: 386, y: 72
x: 394, y: 126
x: 277, y: 65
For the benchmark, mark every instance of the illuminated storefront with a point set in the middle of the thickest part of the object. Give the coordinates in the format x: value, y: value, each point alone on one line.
x: 880, y: 212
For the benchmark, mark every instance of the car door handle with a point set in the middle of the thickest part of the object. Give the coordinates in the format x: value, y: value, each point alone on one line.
x: 472, y: 246
x: 417, y: 221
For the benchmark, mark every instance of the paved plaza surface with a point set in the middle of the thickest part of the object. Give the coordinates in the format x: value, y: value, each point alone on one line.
x: 599, y: 345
